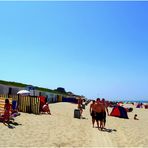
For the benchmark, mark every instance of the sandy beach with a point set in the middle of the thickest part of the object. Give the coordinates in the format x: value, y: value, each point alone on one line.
x: 61, y: 129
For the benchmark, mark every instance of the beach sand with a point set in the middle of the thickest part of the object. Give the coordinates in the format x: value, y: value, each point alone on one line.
x: 61, y: 129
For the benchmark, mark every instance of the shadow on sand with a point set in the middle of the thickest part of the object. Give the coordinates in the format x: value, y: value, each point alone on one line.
x: 107, y: 130
x: 84, y: 118
x: 12, y: 125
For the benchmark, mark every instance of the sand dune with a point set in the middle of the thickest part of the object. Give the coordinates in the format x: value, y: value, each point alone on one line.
x: 62, y: 130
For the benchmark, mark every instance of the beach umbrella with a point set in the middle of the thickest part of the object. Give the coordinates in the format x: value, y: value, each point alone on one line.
x: 23, y: 92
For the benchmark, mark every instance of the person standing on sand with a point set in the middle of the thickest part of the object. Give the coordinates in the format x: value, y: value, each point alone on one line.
x: 7, y: 112
x: 97, y: 102
x: 104, y: 110
x: 80, y: 102
x: 98, y: 108
x: 92, y: 112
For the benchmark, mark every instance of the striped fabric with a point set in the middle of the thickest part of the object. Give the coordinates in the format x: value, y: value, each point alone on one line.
x: 2, y: 103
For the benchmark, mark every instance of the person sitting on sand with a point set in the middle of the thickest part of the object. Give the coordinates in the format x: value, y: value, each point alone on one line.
x: 135, y: 117
x: 45, y: 108
x: 14, y: 109
x: 15, y: 113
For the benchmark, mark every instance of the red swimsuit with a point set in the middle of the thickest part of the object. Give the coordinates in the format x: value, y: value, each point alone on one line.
x: 7, y: 108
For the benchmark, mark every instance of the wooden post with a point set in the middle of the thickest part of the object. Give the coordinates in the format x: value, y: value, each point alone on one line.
x: 30, y: 104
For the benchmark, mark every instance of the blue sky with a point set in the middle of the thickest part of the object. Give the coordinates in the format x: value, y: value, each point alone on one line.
x: 95, y: 49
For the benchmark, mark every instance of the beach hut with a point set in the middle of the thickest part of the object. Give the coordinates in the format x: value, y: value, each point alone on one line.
x: 119, y: 111
x: 69, y: 99
x: 59, y: 98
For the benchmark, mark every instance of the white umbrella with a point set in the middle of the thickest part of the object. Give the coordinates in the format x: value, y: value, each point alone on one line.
x: 23, y: 92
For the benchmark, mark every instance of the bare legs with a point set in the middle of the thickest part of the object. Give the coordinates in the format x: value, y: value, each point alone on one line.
x: 93, y: 122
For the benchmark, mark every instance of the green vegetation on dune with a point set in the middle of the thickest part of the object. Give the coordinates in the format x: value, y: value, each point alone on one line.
x: 36, y: 87
x: 13, y: 83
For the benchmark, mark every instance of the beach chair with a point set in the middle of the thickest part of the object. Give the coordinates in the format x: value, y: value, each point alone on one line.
x: 14, y: 105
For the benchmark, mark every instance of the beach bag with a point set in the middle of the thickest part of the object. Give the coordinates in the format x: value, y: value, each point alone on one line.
x: 77, y: 113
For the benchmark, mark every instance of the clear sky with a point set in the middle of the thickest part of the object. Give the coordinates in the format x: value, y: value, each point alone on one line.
x: 95, y: 49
